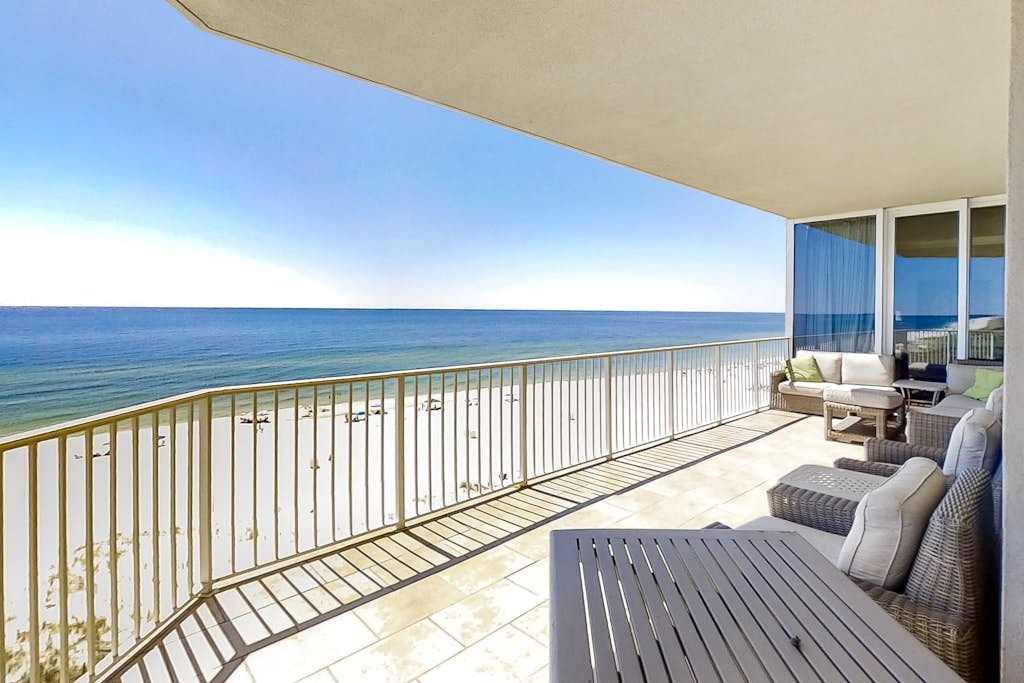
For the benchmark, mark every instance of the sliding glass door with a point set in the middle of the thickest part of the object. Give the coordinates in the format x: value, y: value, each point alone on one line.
x: 925, y: 287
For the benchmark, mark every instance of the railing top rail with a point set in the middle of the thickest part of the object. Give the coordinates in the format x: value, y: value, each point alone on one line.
x: 18, y: 440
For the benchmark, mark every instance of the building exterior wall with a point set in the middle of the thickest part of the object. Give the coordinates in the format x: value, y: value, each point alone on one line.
x: 1013, y: 430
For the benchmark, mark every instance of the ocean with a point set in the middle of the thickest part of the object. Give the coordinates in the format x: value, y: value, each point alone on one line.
x: 58, y: 364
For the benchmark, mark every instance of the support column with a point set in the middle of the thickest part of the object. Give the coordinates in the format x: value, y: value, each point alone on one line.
x: 1012, y: 664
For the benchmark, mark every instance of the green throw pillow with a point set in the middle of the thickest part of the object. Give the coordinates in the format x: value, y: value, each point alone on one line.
x: 985, y: 382
x: 804, y: 369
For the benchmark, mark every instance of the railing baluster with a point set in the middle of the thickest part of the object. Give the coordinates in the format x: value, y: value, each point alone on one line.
x: 399, y: 451
x: 255, y: 478
x: 348, y: 468
x: 295, y: 470
x: 718, y: 384
x: 205, y: 499
x: 62, y: 553
x: 90, y: 564
x: 314, y: 463
x: 173, y: 501
x: 334, y: 460
x: 444, y: 404
x: 231, y: 492
x: 465, y: 454
x: 522, y: 424
x: 383, y: 514
x: 608, y: 408
x: 189, y: 500
x: 33, y: 564
x: 155, y: 484
x: 757, y: 377
x: 430, y: 441
x: 136, y: 555
x: 479, y: 436
x: 670, y: 363
x: 366, y: 456
x: 277, y: 474
x: 416, y: 444
x: 113, y: 547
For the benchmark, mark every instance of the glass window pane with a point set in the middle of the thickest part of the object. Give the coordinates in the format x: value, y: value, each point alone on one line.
x: 925, y: 288
x: 834, y: 284
x: 986, y: 284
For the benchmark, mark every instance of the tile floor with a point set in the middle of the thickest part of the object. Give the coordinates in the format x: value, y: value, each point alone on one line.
x: 465, y: 596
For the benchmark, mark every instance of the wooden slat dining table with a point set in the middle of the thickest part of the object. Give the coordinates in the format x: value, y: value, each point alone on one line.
x: 718, y: 605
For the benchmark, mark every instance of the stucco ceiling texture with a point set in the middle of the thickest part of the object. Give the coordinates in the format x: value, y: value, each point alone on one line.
x: 798, y: 107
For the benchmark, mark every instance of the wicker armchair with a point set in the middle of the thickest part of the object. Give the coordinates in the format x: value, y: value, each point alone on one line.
x: 897, y: 452
x: 948, y: 593
x: 928, y: 429
x: 948, y: 599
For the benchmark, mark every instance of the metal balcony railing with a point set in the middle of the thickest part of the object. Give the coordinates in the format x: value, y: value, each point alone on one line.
x: 112, y: 526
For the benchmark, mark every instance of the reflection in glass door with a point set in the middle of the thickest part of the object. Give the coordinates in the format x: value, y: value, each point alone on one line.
x: 986, y: 283
x: 925, y: 281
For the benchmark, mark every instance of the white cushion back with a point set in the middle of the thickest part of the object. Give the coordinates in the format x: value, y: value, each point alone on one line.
x: 995, y: 403
x: 868, y: 368
x: 976, y: 443
x: 889, y: 523
x: 959, y: 377
x: 828, y: 363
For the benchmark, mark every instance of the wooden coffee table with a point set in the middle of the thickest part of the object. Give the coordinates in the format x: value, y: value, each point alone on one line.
x: 859, y: 422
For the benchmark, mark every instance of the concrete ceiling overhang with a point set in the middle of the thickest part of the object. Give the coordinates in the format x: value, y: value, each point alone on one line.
x: 799, y: 107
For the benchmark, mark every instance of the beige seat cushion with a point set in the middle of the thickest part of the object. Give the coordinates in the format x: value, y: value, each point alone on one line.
x: 829, y: 364
x: 804, y: 388
x: 825, y: 543
x: 862, y: 395
x: 889, y: 523
x: 976, y: 443
x: 953, y: 405
x: 868, y: 368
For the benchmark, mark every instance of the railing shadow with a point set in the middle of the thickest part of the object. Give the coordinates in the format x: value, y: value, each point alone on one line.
x: 211, y: 642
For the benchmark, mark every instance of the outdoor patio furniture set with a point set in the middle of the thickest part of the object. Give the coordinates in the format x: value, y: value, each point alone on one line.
x: 914, y: 526
x: 920, y: 540
x: 862, y: 392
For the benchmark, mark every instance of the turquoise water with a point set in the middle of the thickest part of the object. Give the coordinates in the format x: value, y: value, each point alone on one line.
x: 58, y: 364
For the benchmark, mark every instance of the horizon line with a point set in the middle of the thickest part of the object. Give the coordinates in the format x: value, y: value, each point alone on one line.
x: 374, y: 308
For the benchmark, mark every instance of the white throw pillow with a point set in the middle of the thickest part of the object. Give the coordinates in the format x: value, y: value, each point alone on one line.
x: 868, y: 368
x: 976, y: 443
x: 995, y: 403
x: 889, y: 523
x: 828, y: 364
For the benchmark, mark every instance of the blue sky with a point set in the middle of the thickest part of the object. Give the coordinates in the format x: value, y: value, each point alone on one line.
x: 145, y: 162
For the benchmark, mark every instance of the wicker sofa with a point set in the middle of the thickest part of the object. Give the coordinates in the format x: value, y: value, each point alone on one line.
x: 932, y: 426
x: 839, y: 370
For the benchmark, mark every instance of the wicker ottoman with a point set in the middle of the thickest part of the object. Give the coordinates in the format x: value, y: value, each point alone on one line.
x: 854, y: 404
x: 822, y: 497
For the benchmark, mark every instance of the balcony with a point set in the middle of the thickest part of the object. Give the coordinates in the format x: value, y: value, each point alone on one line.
x: 464, y: 594
x: 205, y: 531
